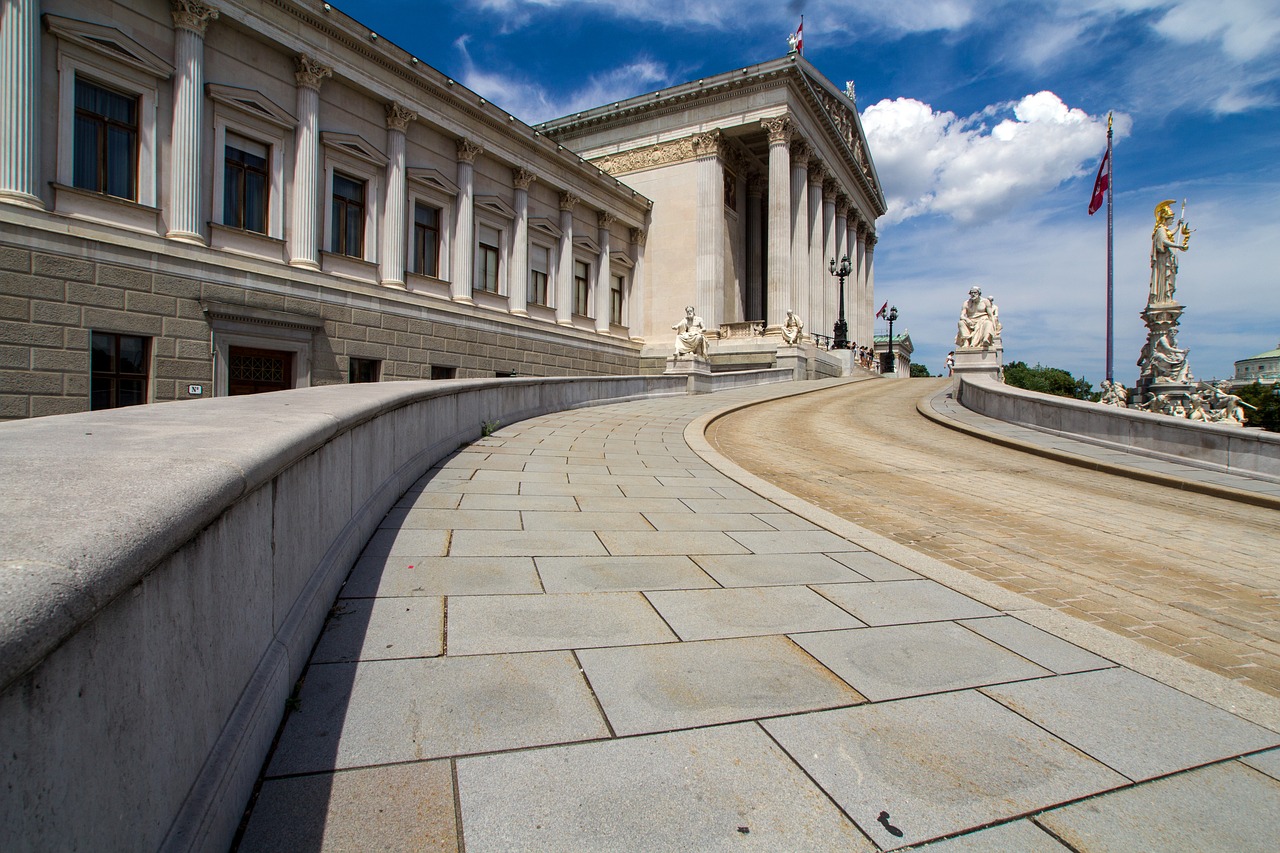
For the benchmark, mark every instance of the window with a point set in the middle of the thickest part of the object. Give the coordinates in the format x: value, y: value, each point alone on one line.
x: 245, y: 184
x: 426, y: 240
x: 581, y: 288
x: 255, y: 371
x: 106, y: 141
x: 118, y: 370
x: 539, y: 272
x: 488, y: 241
x: 441, y: 372
x: 616, y: 289
x: 347, y: 237
x: 362, y: 370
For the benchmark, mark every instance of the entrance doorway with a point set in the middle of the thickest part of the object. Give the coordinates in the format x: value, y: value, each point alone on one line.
x: 255, y: 371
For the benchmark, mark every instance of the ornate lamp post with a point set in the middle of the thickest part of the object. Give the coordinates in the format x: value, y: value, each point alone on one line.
x: 842, y: 328
x: 892, y: 360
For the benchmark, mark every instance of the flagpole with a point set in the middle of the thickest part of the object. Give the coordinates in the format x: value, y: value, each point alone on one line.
x: 1111, y: 183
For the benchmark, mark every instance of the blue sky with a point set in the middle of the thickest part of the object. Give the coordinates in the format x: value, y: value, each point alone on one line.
x: 986, y: 120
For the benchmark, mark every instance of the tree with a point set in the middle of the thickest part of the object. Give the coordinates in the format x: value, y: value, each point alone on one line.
x: 1048, y: 380
x: 919, y: 370
x: 1267, y: 399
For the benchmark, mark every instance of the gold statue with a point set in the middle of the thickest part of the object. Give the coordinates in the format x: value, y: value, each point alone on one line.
x: 1164, y: 242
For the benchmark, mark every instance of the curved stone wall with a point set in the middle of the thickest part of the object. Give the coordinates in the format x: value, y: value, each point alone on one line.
x: 165, y: 570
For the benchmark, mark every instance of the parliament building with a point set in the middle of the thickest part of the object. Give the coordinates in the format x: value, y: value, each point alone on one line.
x: 210, y: 197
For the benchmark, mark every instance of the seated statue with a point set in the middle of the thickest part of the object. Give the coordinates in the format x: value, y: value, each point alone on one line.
x: 1114, y: 394
x: 690, y: 339
x: 977, y: 326
x: 792, y: 329
x: 1163, y: 359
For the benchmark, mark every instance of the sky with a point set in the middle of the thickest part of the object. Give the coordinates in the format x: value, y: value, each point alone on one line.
x: 986, y: 120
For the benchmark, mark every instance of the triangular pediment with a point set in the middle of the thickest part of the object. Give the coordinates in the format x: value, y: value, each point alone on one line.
x: 109, y: 42
x: 584, y: 242
x: 839, y: 113
x: 621, y: 259
x: 496, y: 206
x: 433, y: 179
x: 543, y: 225
x: 251, y: 102
x: 356, y: 146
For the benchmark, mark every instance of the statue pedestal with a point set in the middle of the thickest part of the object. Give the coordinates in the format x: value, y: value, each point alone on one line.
x: 697, y: 369
x: 1157, y: 373
x: 794, y: 357
x: 972, y: 362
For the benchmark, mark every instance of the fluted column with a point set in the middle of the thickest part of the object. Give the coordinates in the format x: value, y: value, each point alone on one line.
x: 779, y: 257
x: 394, y: 225
x: 518, y: 276
x: 828, y: 287
x: 869, y: 289
x: 708, y: 296
x: 304, y: 233
x: 753, y: 301
x: 20, y: 102
x: 564, y: 268
x: 635, y: 296
x: 603, y: 281
x: 190, y: 20
x: 839, y: 250
x: 799, y: 289
x: 858, y: 319
x: 813, y: 289
x: 464, y: 243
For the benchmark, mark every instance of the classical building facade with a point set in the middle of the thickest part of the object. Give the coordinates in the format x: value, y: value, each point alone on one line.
x: 208, y: 197
x: 1263, y: 367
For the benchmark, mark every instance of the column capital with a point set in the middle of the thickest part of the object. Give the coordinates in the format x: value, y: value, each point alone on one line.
x: 399, y: 116
x: 799, y: 152
x: 192, y: 15
x: 604, y: 219
x: 842, y: 205
x: 817, y: 172
x: 779, y: 129
x: 707, y: 144
x: 310, y: 73
x: 830, y: 190
x: 568, y: 201
x: 522, y: 178
x: 468, y: 150
x: 756, y: 184
x: 871, y: 240
x: 639, y: 236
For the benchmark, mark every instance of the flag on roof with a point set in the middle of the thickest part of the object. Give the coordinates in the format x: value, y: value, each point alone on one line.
x: 796, y: 39
x: 1101, y: 183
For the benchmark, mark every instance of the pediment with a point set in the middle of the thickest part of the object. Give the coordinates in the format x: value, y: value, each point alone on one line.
x: 109, y: 42
x: 496, y: 206
x: 356, y: 146
x: 251, y: 102
x: 432, y: 179
x: 543, y: 225
x: 621, y: 259
x: 588, y: 243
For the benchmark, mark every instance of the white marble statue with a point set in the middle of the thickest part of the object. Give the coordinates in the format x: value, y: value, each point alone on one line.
x: 1165, y: 360
x: 792, y: 329
x: 1114, y: 394
x: 977, y: 326
x: 1166, y: 242
x: 1225, y: 407
x: 690, y: 335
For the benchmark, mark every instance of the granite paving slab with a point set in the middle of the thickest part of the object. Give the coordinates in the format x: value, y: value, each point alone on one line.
x: 585, y: 521
x: 408, y: 576
x: 456, y: 519
x: 748, y: 612
x: 1022, y: 836
x: 673, y: 542
x: 1035, y: 645
x: 617, y: 574
x: 1131, y: 723
x: 426, y: 500
x: 1267, y: 762
x: 727, y: 788
x: 401, y: 807
x: 903, y: 602
x: 705, y: 521
x: 793, y: 541
x: 524, y: 543
x: 874, y: 567
x: 542, y: 503
x: 382, y: 629
x: 1221, y: 807
x: 394, y: 541
x: 381, y: 712
x: 773, y: 570
x: 786, y: 521
x: 682, y: 685
x: 936, y: 765
x: 481, y: 625
x: 589, y: 503
x: 570, y: 489
x: 683, y: 493
x: 914, y: 660
x: 715, y: 503
x: 473, y: 487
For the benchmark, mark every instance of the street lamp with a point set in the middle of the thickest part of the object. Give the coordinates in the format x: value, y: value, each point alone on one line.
x: 842, y: 328
x: 890, y: 360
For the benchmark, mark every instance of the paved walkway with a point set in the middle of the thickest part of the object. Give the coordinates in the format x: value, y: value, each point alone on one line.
x: 579, y: 635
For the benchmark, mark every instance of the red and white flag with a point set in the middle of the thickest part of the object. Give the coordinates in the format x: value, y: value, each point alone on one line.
x: 798, y: 38
x: 1101, y: 183
x: 880, y: 313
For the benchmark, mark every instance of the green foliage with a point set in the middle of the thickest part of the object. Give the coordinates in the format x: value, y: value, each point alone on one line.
x: 488, y: 428
x: 919, y: 370
x: 1267, y: 399
x: 1048, y: 380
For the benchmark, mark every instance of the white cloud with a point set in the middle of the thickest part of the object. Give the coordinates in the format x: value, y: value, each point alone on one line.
x: 971, y: 169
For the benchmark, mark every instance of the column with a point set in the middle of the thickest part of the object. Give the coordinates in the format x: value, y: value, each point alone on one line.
x: 830, y: 250
x: 304, y: 233
x: 393, y: 211
x: 869, y: 288
x: 518, y: 269
x: 779, y: 258
x: 602, y: 273
x: 464, y: 218
x: 753, y: 303
x: 799, y: 288
x: 190, y: 20
x: 20, y: 103
x: 708, y: 296
x: 857, y: 317
x: 635, y: 295
x: 564, y: 267
x: 814, y: 285
x: 841, y: 249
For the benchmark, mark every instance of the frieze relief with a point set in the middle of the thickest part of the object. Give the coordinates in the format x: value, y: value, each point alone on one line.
x: 661, y: 154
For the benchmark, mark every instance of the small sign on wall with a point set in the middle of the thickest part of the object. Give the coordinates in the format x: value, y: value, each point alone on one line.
x: 195, y: 390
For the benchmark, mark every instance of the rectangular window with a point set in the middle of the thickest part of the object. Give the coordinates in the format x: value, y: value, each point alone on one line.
x: 245, y: 184
x: 539, y: 271
x: 487, y: 259
x: 348, y: 216
x: 106, y: 141
x: 581, y: 287
x: 442, y: 372
x: 256, y: 371
x: 362, y: 370
x: 615, y: 300
x: 426, y: 240
x: 118, y: 370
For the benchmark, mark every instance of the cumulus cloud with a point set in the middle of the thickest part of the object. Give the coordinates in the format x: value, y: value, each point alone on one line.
x: 980, y: 166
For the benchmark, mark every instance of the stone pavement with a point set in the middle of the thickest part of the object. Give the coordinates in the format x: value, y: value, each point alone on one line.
x: 577, y: 634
